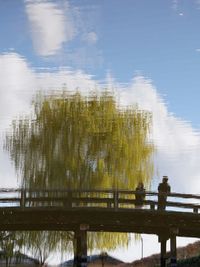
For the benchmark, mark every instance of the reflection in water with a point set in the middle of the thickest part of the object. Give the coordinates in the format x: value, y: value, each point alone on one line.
x: 78, y: 142
x: 73, y: 141
x: 65, y: 33
x: 38, y: 244
x: 178, y: 157
x: 50, y: 26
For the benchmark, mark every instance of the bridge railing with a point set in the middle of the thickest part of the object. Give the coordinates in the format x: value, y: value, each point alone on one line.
x: 110, y: 199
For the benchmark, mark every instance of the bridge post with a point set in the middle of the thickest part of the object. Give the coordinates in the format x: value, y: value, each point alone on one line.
x: 163, y: 240
x: 115, y: 196
x: 80, y: 255
x: 173, y: 233
x: 23, y: 198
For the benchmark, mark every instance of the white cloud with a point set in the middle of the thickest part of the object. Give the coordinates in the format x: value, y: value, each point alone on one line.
x: 16, y: 88
x: 17, y: 83
x: 50, y: 26
x: 177, y: 143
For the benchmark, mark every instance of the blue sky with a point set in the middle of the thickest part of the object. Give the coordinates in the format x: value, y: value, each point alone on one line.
x: 148, y: 51
x: 157, y: 39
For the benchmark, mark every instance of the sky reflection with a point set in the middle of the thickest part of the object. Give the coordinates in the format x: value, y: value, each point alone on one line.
x: 49, y: 27
x: 177, y: 143
x: 147, y: 53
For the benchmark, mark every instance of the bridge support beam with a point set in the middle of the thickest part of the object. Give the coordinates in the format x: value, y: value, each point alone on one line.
x: 173, y: 256
x: 163, y: 241
x: 80, y: 253
x: 23, y: 198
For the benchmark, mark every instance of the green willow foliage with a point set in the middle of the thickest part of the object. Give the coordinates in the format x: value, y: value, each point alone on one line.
x: 107, y: 241
x: 41, y: 243
x: 72, y: 141
x: 8, y: 242
x: 79, y: 142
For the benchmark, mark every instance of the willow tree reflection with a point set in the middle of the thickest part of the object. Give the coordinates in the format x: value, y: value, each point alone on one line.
x: 79, y: 142
x: 73, y: 141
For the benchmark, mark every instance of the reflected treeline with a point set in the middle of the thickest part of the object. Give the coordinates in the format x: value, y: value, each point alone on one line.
x: 77, y: 142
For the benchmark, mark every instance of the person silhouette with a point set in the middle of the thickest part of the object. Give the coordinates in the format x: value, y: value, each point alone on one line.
x: 139, y: 195
x: 163, y: 189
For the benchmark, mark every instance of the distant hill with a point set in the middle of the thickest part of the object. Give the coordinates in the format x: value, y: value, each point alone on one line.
x: 97, y: 260
x: 187, y: 256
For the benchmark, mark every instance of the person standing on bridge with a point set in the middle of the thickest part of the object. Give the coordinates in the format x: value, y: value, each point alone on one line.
x: 139, y: 195
x: 163, y: 189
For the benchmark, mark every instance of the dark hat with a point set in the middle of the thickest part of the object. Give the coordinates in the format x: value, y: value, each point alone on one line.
x: 165, y: 178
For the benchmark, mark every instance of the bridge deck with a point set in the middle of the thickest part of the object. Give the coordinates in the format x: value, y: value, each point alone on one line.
x: 100, y: 210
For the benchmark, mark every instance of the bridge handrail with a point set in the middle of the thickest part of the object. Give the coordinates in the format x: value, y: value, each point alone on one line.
x: 112, y: 191
x: 120, y: 191
x: 112, y: 198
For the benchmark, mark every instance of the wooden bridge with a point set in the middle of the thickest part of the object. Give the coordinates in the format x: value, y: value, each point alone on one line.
x: 100, y: 210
